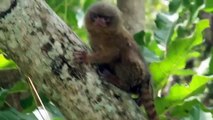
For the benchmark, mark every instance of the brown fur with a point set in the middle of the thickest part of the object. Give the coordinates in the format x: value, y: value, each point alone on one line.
x: 114, y: 46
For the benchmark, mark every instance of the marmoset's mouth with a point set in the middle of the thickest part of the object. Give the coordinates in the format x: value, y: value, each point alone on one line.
x: 100, y: 20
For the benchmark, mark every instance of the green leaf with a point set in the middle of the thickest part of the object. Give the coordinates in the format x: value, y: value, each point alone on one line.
x: 145, y: 44
x: 194, y: 54
x: 28, y: 104
x: 194, y: 9
x: 3, y: 95
x: 149, y: 56
x: 174, y: 5
x: 198, y: 114
x: 155, y: 48
x: 139, y: 38
x: 160, y: 71
x: 165, y: 24
x: 178, y: 53
x: 20, y: 86
x: 184, y: 72
x: 200, y: 26
x: 12, y: 114
x: 186, y: 3
x: 209, y: 6
x: 182, y: 46
x: 5, y: 63
x: 195, y: 87
x: 187, y: 108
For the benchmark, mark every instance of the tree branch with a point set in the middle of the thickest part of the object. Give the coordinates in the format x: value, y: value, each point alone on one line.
x: 133, y: 14
x: 42, y: 46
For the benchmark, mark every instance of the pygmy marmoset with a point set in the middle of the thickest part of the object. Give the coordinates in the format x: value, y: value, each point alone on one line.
x: 113, y: 46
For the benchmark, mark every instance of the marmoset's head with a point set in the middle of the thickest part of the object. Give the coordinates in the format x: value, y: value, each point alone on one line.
x: 103, y: 17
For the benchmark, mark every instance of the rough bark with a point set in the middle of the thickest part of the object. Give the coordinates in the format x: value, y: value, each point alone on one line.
x: 133, y: 14
x: 42, y: 46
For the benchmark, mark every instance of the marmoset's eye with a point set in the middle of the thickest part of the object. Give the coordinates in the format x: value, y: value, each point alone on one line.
x: 93, y: 16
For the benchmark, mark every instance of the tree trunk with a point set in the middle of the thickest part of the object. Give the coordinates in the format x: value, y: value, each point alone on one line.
x: 133, y: 14
x: 42, y: 45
